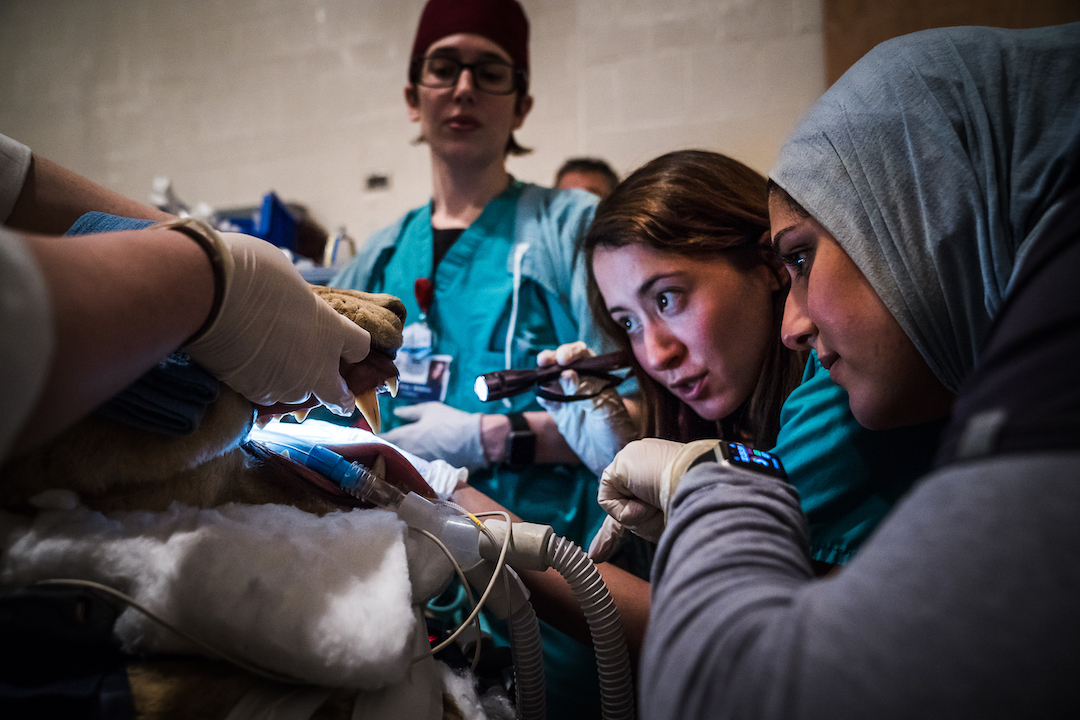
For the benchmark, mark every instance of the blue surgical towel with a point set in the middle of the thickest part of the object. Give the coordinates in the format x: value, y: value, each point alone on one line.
x: 99, y: 222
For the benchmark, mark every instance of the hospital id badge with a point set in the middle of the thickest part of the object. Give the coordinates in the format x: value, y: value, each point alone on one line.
x: 422, y: 379
x: 417, y: 339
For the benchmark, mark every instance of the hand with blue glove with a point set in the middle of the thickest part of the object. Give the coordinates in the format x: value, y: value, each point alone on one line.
x: 597, y: 428
x: 637, y: 488
x: 440, y: 432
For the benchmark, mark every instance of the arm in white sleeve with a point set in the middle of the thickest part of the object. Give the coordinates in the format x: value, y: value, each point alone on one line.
x: 26, y: 336
x: 15, y: 161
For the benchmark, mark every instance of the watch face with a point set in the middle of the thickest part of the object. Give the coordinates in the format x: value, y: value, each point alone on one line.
x: 740, y: 455
x: 520, y: 449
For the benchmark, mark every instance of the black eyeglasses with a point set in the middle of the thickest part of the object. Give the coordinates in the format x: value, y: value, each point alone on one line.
x: 490, y: 76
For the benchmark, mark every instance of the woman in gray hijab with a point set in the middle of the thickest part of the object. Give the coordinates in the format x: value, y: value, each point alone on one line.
x: 928, y: 211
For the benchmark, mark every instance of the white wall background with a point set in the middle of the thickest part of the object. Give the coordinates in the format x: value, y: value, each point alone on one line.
x: 233, y: 98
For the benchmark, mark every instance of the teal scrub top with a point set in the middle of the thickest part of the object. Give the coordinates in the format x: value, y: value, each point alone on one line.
x: 848, y: 477
x: 470, y: 315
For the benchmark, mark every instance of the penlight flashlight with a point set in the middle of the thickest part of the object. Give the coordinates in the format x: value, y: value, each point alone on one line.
x: 507, y: 383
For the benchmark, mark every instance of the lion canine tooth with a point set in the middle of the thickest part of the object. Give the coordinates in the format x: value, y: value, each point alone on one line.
x: 391, y: 385
x: 265, y: 420
x: 301, y: 415
x: 368, y: 404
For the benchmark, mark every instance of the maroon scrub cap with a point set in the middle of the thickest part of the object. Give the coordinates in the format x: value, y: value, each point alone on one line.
x: 501, y: 21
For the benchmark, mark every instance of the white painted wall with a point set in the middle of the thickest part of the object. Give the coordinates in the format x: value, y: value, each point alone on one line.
x: 232, y: 98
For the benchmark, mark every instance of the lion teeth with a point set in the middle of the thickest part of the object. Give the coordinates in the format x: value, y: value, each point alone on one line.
x: 391, y: 385
x: 368, y: 404
x: 263, y: 420
x: 301, y: 415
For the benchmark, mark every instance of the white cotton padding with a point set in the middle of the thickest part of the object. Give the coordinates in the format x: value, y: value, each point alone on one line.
x: 326, y: 600
x: 461, y: 686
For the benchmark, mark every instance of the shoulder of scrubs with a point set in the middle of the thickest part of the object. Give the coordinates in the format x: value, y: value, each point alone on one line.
x: 26, y: 336
x: 553, y: 223
x: 848, y: 477
x: 357, y: 274
x: 14, y: 165
x: 556, y: 221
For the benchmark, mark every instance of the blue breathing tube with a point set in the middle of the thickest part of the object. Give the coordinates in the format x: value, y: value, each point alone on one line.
x: 352, y: 477
x: 460, y: 534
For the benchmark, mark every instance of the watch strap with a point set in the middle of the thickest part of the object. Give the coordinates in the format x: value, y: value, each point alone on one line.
x: 521, y: 442
x: 518, y: 423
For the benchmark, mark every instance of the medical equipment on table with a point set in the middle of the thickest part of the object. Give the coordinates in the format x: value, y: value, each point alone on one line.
x: 340, y: 251
x: 484, y: 550
x: 507, y: 383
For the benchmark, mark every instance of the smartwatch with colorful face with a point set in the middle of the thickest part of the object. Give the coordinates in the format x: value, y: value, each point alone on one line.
x: 741, y: 456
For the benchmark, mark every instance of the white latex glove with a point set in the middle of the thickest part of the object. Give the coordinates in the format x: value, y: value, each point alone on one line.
x: 440, y: 432
x: 637, y: 488
x: 444, y: 478
x: 595, y: 429
x: 273, y: 340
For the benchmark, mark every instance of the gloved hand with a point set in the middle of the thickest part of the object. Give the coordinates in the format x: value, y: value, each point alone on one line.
x: 637, y: 488
x: 444, y: 478
x: 596, y: 428
x: 273, y: 340
x: 440, y: 432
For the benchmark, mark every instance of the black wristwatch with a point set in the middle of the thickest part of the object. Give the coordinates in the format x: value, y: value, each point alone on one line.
x: 739, y: 455
x: 520, y: 443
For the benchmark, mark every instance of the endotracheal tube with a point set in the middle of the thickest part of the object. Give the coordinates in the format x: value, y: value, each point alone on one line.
x: 460, y: 534
x: 353, y: 477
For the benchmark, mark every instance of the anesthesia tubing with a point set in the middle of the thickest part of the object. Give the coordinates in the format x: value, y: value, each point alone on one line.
x: 459, y: 536
x: 482, y: 549
x: 609, y: 641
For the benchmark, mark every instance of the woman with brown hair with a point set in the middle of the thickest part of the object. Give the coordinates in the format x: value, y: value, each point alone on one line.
x: 706, y: 208
x: 682, y: 274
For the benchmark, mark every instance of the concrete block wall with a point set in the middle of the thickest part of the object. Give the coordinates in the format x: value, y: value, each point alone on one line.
x: 233, y: 98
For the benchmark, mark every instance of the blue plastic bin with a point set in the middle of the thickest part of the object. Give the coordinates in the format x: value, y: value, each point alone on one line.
x: 277, y: 224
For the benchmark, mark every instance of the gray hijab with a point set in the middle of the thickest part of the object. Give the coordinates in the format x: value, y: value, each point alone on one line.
x: 933, y: 161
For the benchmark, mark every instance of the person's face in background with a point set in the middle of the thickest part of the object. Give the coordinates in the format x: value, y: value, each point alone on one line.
x: 701, y: 327
x: 463, y: 124
x: 593, y: 182
x: 832, y: 308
